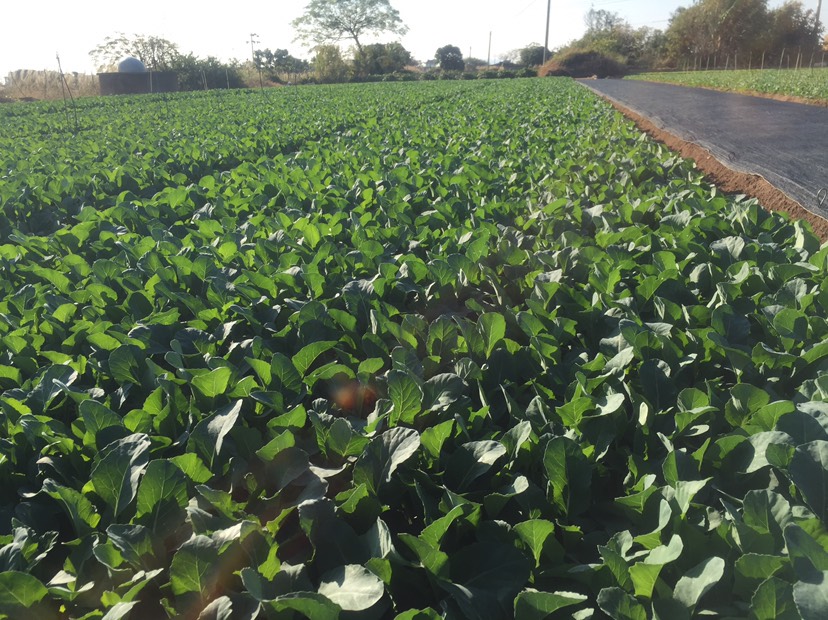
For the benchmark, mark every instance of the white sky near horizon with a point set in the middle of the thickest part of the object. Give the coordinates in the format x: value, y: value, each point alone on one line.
x: 32, y: 32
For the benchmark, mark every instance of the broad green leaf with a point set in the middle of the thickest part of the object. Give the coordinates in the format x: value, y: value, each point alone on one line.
x: 644, y: 577
x: 127, y: 364
x: 617, y: 565
x: 193, y: 467
x: 753, y: 454
x: 19, y: 592
x: 808, y: 423
x: 384, y: 455
x: 470, y: 461
x: 698, y: 581
x: 344, y: 441
x: 282, y: 441
x: 809, y: 472
x: 515, y: 437
x: 352, y: 587
x: 194, y: 567
x: 569, y: 474
x: 96, y: 418
x: 310, y: 605
x: 115, y: 477
x: 103, y: 341
x: 434, y: 532
x: 535, y: 534
x: 811, y: 597
x: 747, y: 400
x: 135, y: 542
x: 305, y: 358
x: 80, y: 510
x: 434, y: 437
x: 807, y: 555
x: 755, y: 567
x: 162, y: 495
x: 493, y: 568
x: 440, y: 391
x: 406, y: 396
x: 333, y: 539
x: 285, y: 377
x: 418, y: 614
x: 207, y: 438
x: 665, y: 554
x: 790, y: 323
x: 533, y: 605
x: 119, y: 610
x: 692, y: 399
x: 492, y: 328
x: 11, y: 373
x: 686, y: 490
x: 262, y: 370
x: 773, y: 600
x: 213, y: 383
x: 433, y: 560
x: 219, y: 609
x: 619, y: 605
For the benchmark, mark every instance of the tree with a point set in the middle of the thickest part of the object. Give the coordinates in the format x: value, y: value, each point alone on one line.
x: 532, y: 56
x: 329, y: 64
x: 728, y: 28
x: 278, y: 62
x: 206, y: 73
x: 156, y: 53
x: 602, y: 21
x: 611, y: 36
x: 381, y: 59
x: 450, y: 58
x: 791, y: 26
x: 330, y: 21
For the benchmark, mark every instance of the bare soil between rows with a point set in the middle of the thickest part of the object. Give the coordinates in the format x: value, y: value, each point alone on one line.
x: 728, y: 180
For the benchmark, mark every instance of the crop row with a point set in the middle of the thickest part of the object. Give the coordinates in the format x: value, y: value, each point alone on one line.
x: 417, y: 351
x: 805, y: 83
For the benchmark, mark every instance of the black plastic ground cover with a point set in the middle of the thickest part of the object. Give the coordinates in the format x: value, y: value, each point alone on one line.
x: 786, y: 143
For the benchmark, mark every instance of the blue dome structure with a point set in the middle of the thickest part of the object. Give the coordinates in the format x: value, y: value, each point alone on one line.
x: 131, y: 65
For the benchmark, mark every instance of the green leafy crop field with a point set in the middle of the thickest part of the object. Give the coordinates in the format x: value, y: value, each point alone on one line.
x: 805, y: 83
x: 438, y: 350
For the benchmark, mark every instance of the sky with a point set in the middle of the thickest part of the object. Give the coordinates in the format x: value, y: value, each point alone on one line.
x: 32, y: 32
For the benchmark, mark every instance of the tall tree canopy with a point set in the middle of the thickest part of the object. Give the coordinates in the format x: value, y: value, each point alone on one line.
x: 381, y: 58
x: 329, y: 21
x: 728, y: 27
x: 156, y: 53
x: 450, y: 58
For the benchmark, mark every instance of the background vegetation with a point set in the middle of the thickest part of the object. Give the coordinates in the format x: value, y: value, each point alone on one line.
x: 707, y: 34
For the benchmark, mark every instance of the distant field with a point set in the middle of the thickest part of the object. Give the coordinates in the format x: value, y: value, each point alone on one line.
x: 806, y: 83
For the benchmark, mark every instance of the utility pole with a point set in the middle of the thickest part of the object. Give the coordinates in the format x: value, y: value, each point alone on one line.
x: 254, y: 38
x: 816, y: 26
x: 489, y: 56
x: 546, y: 42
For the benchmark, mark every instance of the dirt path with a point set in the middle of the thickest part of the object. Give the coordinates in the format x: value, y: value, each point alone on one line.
x: 774, y: 151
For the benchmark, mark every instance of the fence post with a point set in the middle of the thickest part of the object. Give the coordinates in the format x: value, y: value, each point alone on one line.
x: 763, y: 60
x: 735, y: 61
x: 727, y: 62
x: 781, y: 58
